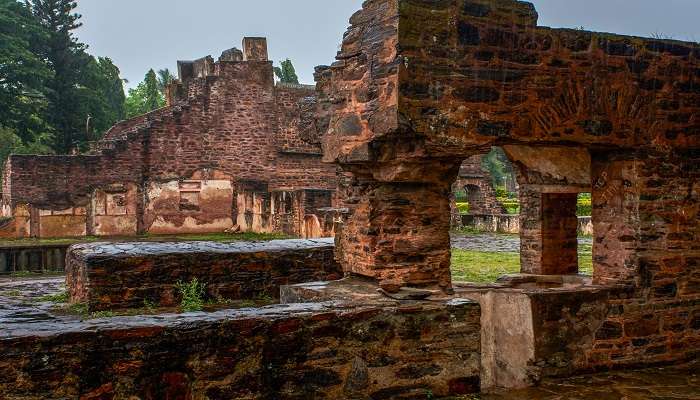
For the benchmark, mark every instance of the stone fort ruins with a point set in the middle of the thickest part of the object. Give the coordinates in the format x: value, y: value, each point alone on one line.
x: 231, y: 149
x: 417, y: 88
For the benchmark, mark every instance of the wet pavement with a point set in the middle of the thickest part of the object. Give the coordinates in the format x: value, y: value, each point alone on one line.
x: 495, y: 243
x: 663, y: 383
x: 32, y: 300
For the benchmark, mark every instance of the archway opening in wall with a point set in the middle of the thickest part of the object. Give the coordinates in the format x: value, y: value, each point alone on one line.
x: 584, y: 212
x: 548, y: 236
x: 485, y: 243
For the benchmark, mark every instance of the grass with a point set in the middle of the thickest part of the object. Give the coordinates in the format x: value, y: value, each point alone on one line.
x: 192, y: 295
x: 11, y: 293
x: 59, y: 298
x: 211, y: 237
x: 483, y: 267
x: 487, y: 267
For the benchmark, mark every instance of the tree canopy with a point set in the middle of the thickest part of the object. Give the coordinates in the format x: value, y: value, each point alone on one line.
x: 286, y: 72
x: 54, y: 96
x: 146, y: 97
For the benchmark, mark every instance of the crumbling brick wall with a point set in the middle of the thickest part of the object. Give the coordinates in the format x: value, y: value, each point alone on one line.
x: 420, y: 85
x: 226, y: 119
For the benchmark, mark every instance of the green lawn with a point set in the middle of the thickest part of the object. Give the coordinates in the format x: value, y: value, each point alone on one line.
x: 212, y: 237
x: 486, y: 267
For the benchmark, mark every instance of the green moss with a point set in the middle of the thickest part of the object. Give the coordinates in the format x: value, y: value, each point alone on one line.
x: 59, y: 298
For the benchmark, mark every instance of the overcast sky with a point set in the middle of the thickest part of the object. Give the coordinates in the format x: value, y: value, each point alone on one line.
x: 143, y: 34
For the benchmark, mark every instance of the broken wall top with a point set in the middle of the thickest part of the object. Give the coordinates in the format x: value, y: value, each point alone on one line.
x: 443, y: 78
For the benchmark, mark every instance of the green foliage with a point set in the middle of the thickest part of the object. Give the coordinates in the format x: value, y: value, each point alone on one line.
x: 102, y: 314
x: 498, y: 165
x: 463, y: 208
x: 146, y: 97
x: 52, y: 92
x: 286, y: 72
x: 23, y: 72
x: 165, y: 77
x: 584, y: 207
x: 61, y: 297
x: 192, y: 294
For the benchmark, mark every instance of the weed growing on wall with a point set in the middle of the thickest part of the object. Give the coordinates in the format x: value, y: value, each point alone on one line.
x: 192, y: 294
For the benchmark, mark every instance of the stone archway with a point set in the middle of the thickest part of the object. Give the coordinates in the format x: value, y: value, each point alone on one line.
x: 411, y: 99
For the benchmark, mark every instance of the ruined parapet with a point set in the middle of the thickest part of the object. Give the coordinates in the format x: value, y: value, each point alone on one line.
x: 225, y: 117
x: 255, y: 49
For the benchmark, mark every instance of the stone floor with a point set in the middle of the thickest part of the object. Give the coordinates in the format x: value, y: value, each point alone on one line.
x: 663, y: 383
x: 31, y: 300
x: 496, y: 243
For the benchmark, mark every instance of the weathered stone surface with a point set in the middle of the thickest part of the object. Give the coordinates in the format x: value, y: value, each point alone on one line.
x: 295, y: 351
x: 109, y: 276
x: 453, y: 78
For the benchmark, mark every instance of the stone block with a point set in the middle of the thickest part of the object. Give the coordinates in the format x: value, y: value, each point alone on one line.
x: 109, y: 276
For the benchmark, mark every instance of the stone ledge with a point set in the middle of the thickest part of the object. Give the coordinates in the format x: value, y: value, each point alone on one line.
x: 283, y: 351
x: 109, y: 276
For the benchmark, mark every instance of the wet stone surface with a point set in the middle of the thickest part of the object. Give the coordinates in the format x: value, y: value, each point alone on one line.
x: 663, y: 383
x: 495, y: 243
x: 28, y: 300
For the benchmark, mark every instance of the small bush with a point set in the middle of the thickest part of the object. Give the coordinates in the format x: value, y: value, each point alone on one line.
x: 463, y: 208
x: 192, y: 295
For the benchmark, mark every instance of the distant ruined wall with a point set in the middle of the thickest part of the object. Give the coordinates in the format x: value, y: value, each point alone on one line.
x: 226, y: 121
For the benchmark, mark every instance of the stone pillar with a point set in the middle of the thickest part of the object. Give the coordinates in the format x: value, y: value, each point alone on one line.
x: 254, y: 49
x: 559, y: 234
x: 397, y: 232
x: 548, y: 232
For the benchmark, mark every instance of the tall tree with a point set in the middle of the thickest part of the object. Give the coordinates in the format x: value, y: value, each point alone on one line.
x: 66, y: 57
x: 165, y: 77
x: 23, y: 73
x: 286, y: 72
x: 145, y: 97
x: 154, y: 99
x: 101, y: 97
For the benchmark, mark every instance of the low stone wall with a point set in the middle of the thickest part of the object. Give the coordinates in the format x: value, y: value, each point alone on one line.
x: 510, y: 223
x: 18, y: 259
x: 416, y: 350
x: 109, y: 276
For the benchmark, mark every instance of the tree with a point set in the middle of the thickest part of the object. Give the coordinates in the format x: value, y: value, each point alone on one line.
x: 145, y: 97
x: 165, y: 77
x: 498, y: 164
x: 101, y: 97
x: 84, y: 94
x: 286, y: 73
x: 23, y: 73
x: 66, y: 57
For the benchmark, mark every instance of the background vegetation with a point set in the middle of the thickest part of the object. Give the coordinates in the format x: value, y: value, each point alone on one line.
x: 55, y: 97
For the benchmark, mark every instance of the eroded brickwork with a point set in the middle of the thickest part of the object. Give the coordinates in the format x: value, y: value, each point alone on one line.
x: 282, y: 352
x: 226, y: 122
x: 419, y: 86
x: 127, y: 275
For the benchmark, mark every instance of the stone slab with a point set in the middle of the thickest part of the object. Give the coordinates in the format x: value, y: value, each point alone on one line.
x: 109, y: 276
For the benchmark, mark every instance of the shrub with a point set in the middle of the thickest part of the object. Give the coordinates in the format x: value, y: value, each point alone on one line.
x: 192, y: 295
x: 463, y: 208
